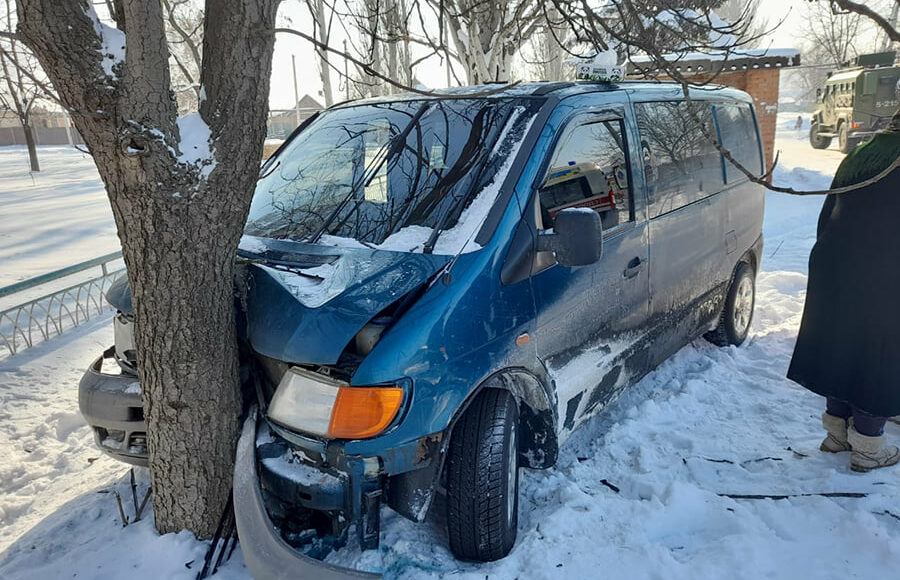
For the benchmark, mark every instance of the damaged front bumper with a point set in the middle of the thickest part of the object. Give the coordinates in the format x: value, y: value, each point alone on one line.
x: 111, y: 405
x: 267, y: 554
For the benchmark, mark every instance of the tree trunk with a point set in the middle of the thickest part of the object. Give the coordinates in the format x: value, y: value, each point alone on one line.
x: 179, y: 210
x: 323, y: 30
x: 181, y: 267
x: 32, y: 146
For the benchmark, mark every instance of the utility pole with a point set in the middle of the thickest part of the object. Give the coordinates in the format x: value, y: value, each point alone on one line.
x: 447, y: 54
x: 346, y: 74
x: 296, y: 94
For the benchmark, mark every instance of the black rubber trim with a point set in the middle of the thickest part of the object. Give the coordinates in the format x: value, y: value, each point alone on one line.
x: 507, y: 189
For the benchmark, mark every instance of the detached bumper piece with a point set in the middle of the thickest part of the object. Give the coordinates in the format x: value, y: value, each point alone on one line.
x: 266, y: 551
x: 111, y: 404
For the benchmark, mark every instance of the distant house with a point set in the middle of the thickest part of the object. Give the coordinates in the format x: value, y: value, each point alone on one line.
x: 282, y: 122
x: 50, y: 128
x: 40, y: 118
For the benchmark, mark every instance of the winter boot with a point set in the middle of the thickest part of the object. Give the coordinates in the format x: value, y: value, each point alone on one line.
x: 870, y: 452
x: 836, y: 440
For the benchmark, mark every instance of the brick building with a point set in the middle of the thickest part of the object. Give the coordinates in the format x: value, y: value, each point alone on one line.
x: 756, y: 72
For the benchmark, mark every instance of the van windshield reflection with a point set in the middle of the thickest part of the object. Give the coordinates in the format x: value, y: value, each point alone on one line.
x: 369, y: 171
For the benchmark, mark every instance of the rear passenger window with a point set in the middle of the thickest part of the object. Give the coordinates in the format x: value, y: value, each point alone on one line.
x: 589, y: 169
x: 738, y: 134
x: 681, y: 165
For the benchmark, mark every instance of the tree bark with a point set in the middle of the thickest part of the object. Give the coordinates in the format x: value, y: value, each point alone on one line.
x: 32, y: 146
x: 179, y: 213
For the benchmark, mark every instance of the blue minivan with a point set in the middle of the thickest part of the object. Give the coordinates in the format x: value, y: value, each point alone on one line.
x: 441, y: 289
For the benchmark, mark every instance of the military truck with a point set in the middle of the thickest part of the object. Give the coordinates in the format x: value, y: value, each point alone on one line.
x: 856, y: 102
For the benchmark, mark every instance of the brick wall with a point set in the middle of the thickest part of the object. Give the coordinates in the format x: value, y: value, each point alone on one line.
x: 762, y: 85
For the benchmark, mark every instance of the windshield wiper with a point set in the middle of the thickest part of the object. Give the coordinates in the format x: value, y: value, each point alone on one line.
x: 461, y: 167
x: 394, y: 147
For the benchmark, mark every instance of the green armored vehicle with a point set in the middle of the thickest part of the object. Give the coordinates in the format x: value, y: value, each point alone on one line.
x: 856, y: 102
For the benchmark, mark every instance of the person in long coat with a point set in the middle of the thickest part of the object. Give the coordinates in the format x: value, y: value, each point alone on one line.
x: 848, y: 347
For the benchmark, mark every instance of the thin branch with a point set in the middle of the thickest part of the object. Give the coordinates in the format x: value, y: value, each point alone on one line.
x: 862, y: 9
x: 367, y: 68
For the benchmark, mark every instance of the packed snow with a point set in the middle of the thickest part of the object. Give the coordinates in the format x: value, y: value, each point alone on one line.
x: 639, y: 492
x: 195, y: 143
x: 52, y: 218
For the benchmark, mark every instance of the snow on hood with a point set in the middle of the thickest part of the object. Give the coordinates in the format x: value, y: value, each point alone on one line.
x: 308, y: 315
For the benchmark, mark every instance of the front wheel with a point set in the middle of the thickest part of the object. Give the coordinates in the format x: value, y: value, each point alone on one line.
x: 734, y: 322
x: 817, y: 141
x: 483, y: 478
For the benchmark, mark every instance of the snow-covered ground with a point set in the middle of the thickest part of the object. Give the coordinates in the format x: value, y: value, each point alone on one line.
x: 53, y: 218
x: 708, y: 422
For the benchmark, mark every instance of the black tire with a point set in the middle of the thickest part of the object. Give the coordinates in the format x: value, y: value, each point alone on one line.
x: 845, y: 143
x: 734, y: 326
x: 815, y: 140
x: 483, y: 478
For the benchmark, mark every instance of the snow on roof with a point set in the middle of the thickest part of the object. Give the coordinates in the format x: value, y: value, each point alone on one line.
x: 715, y: 61
x: 755, y: 53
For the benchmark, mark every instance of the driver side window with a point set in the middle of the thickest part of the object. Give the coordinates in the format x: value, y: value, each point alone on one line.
x: 589, y: 169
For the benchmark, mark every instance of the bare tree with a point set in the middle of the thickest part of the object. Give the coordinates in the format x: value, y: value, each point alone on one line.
x: 322, y: 19
x: 546, y: 53
x: 734, y: 10
x: 831, y: 35
x: 180, y: 189
x: 892, y: 21
x: 382, y: 29
x: 487, y: 35
x: 21, y: 86
x: 184, y: 35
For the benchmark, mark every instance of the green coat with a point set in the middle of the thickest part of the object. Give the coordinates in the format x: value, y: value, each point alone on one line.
x: 849, y: 341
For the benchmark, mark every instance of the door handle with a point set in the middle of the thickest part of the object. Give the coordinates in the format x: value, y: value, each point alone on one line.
x: 634, y: 268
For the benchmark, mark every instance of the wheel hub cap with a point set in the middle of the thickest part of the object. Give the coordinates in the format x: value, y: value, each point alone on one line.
x: 743, y: 306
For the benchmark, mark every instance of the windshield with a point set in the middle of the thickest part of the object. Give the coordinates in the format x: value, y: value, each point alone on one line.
x: 369, y: 171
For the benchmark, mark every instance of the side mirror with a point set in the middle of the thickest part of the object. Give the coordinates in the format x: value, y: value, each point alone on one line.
x: 577, y: 238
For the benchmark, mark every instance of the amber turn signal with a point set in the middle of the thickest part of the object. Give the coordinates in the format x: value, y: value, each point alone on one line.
x: 361, y: 412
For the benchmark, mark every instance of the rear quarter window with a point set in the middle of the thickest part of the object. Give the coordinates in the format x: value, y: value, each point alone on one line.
x: 738, y: 134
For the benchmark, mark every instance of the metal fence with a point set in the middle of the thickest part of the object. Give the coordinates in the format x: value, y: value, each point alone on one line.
x: 42, y: 318
x: 42, y: 136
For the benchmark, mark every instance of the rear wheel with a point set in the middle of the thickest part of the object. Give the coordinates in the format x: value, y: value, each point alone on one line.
x: 734, y: 322
x: 815, y: 140
x: 483, y: 478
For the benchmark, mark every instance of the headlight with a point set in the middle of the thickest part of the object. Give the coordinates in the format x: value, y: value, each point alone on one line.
x: 318, y: 405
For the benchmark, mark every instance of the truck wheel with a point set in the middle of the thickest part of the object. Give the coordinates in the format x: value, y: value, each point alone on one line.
x: 815, y: 140
x: 483, y: 478
x: 734, y: 322
x: 844, y: 141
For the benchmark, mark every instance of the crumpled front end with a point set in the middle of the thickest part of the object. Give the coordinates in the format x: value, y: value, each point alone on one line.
x: 283, y: 504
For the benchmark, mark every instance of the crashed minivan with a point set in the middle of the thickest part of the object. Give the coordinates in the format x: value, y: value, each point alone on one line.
x: 439, y: 290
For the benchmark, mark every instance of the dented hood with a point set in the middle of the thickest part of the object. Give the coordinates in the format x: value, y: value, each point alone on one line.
x: 309, y: 312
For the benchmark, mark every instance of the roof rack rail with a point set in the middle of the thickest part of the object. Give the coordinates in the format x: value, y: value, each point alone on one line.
x: 552, y: 86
